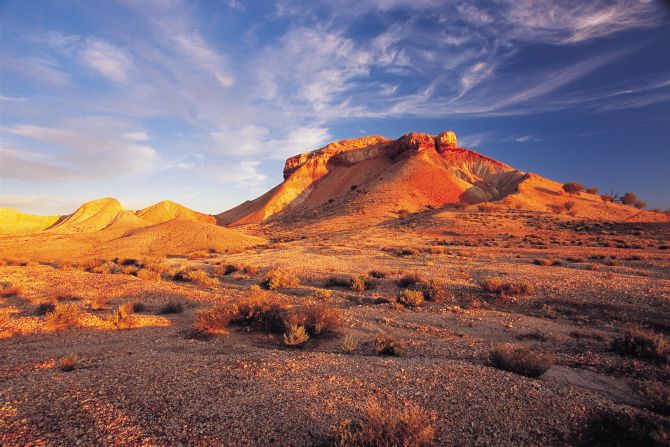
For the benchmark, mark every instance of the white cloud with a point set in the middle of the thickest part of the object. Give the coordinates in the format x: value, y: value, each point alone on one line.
x: 107, y: 59
x: 527, y: 139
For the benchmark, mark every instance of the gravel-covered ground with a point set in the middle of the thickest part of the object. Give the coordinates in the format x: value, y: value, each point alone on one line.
x: 155, y: 385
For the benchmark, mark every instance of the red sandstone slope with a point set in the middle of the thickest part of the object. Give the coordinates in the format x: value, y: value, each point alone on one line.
x: 376, y: 177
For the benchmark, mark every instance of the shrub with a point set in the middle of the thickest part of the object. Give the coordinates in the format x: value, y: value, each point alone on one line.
x: 592, y: 190
x: 359, y: 283
x: 122, y: 317
x: 324, y: 293
x: 629, y: 198
x: 569, y: 205
x: 408, y: 280
x: 573, y: 188
x: 149, y: 275
x: 215, y: 319
x: 337, y: 281
x: 249, y: 269
x: 349, y: 344
x: 225, y: 269
x: 519, y: 360
x: 276, y: 279
x: 547, y: 262
x: 201, y: 277
x: 136, y: 306
x: 644, y: 344
x: 410, y: 298
x: 506, y: 289
x: 68, y: 363
x: 658, y: 396
x: 388, y: 346
x: 171, y: 307
x: 10, y: 290
x: 320, y: 320
x: 295, y: 335
x: 436, y: 291
x: 486, y: 207
x: 384, y: 426
x: 65, y: 316
x: 640, y: 204
x: 263, y: 312
x: 44, y: 308
x: 377, y: 274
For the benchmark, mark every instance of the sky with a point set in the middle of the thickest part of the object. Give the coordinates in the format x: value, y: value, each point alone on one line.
x: 201, y: 102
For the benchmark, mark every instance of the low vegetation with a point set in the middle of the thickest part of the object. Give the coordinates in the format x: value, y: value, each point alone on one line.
x: 171, y: 307
x: 10, y: 290
x: 276, y: 279
x: 643, y: 343
x: 410, y: 298
x: 349, y: 344
x: 435, y: 290
x: 68, y: 363
x: 409, y: 280
x: 386, y: 426
x: 295, y: 335
x: 64, y: 316
x: 506, y: 289
x: 389, y: 346
x: 520, y: 360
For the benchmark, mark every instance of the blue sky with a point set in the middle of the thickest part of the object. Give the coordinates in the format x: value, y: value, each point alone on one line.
x: 200, y: 102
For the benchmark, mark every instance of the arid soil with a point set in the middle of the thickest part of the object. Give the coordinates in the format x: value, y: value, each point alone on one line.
x: 159, y: 381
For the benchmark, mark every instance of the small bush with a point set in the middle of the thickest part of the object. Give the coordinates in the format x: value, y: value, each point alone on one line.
x: 262, y: 312
x: 295, y: 336
x: 436, y: 291
x: 215, y: 319
x: 320, y: 320
x: 360, y: 283
x: 378, y: 274
x: 386, y: 426
x: 388, y: 346
x: 324, y: 293
x: 644, y: 344
x: 506, y: 289
x: 519, y: 360
x: 148, y: 275
x: 65, y: 316
x: 337, y: 281
x: 349, y: 344
x: 226, y: 269
x: 122, y: 317
x: 44, y: 308
x: 410, y: 298
x: 9, y: 291
x: 409, y: 280
x: 658, y: 396
x: 276, y: 279
x: 547, y: 262
x: 136, y: 306
x: 68, y: 363
x: 171, y: 307
x: 201, y: 277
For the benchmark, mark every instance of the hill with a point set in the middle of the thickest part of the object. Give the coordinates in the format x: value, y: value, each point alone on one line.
x: 16, y: 222
x: 378, y: 178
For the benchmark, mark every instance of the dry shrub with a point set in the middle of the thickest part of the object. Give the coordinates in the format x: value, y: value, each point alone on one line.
x: 10, y: 290
x: 547, y: 262
x: 214, y: 320
x: 136, y: 306
x: 68, y: 362
x: 105, y: 268
x: 171, y: 307
x: 349, y: 344
x: 486, y: 207
x: 225, y: 269
x: 617, y: 428
x: 261, y: 311
x: 201, y: 277
x: 382, y: 425
x: 658, y: 396
x: 320, y: 320
x: 149, y: 275
x: 377, y: 274
x: 360, y: 283
x: 409, y: 280
x: 276, y: 279
x: 337, y: 281
x: 122, y: 317
x: 519, y: 360
x: 643, y: 343
x: 44, y: 308
x: 410, y: 298
x: 65, y: 316
x: 436, y: 291
x: 506, y: 289
x: 295, y: 335
x: 324, y: 293
x: 389, y: 346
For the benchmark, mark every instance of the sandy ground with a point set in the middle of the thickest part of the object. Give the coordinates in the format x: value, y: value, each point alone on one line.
x: 154, y: 385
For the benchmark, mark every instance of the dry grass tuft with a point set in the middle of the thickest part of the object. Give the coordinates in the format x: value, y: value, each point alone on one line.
x: 643, y: 343
x: 171, y: 307
x: 409, y: 280
x: 389, y: 346
x: 44, y: 308
x: 320, y: 320
x: 436, y: 291
x: 547, y: 262
x: 295, y: 336
x: 410, y: 298
x: 349, y: 344
x: 519, y: 360
x: 214, y: 320
x: 148, y: 275
x: 276, y: 279
x: 68, y: 362
x: 122, y: 317
x: 10, y: 291
x: 386, y: 426
x: 65, y: 316
x: 506, y: 289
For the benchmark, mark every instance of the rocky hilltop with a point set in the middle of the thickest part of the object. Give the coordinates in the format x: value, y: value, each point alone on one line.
x: 378, y: 177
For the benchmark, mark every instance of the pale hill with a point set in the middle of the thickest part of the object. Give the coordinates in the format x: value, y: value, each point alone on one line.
x: 375, y: 178
x: 98, y: 215
x: 91, y: 216
x: 16, y: 222
x: 167, y: 210
x: 176, y: 236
